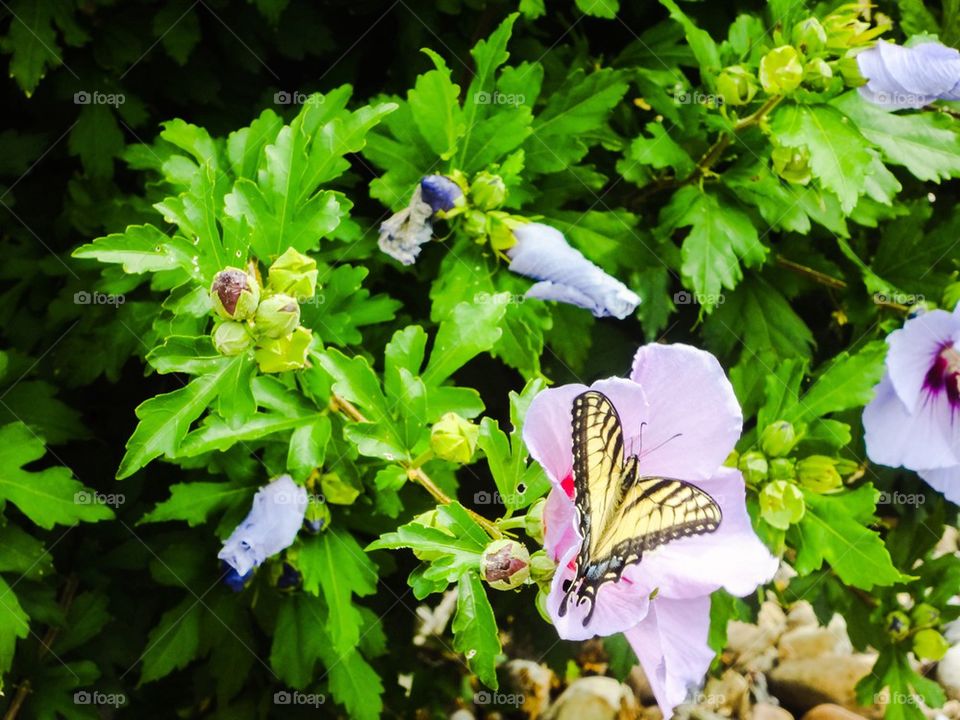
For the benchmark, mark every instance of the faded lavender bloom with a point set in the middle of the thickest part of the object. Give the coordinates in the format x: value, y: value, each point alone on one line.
x: 402, y: 234
x: 271, y: 526
x: 692, y: 420
x: 566, y: 276
x: 911, y: 421
x: 909, y: 77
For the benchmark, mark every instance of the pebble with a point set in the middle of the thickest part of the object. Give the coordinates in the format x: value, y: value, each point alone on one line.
x: 533, y: 681
x: 596, y: 698
x: 769, y: 711
x: 803, y: 683
x: 829, y: 711
x: 948, y: 672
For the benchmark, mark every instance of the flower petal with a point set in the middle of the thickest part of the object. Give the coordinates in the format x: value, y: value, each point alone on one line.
x: 913, y: 351
x: 694, y: 419
x: 542, y: 253
x: 732, y: 557
x: 619, y: 606
x: 548, y: 428
x: 926, y: 69
x: 402, y: 234
x: 559, y: 524
x: 440, y: 192
x: 671, y: 644
x: 895, y: 437
x: 945, y: 480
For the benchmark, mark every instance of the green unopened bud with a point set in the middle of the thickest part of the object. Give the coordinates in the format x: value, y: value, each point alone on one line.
x: 235, y: 294
x: 817, y: 74
x: 924, y: 615
x: 542, y: 569
x: 781, y: 504
x: 781, y: 71
x: 231, y: 338
x: 846, y: 467
x: 277, y: 316
x: 736, y: 85
x: 810, y: 36
x: 454, y: 438
x: 475, y: 224
x: 778, y: 439
x: 754, y: 467
x: 533, y: 521
x: 293, y: 274
x: 792, y: 164
x: 505, y: 564
x: 338, y: 490
x: 898, y: 625
x: 951, y: 296
x: 317, y: 517
x: 782, y: 469
x: 487, y: 191
x: 501, y: 232
x: 930, y: 645
x: 286, y: 353
x: 818, y: 473
x: 431, y: 519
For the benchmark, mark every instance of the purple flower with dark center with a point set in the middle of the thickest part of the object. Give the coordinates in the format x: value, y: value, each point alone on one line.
x: 543, y: 253
x: 271, y: 525
x: 912, y: 419
x: 909, y: 77
x: 440, y: 192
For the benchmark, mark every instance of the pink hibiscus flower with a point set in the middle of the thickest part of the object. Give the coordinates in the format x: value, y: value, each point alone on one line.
x: 691, y: 420
x: 912, y: 419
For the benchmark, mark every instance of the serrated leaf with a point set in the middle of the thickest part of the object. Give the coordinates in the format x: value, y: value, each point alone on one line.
x: 475, y: 631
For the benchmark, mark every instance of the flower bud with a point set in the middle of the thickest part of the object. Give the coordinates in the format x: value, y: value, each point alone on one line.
x: 929, y: 644
x: 337, y: 490
x: 781, y: 71
x: 924, y: 615
x: 441, y: 193
x: 475, y: 224
x: 778, y: 439
x: 542, y: 569
x: 289, y: 579
x: 231, y: 338
x: 235, y: 294
x: 782, y: 469
x: 453, y: 438
x: 736, y: 85
x: 277, y: 316
x: 810, y: 36
x: 431, y: 519
x: 781, y: 504
x: 234, y: 580
x: 487, y: 191
x: 898, y: 625
x: 754, y: 467
x: 505, y: 564
x: 818, y: 473
x: 792, y: 164
x: 533, y: 521
x: 817, y: 74
x: 285, y: 353
x: 317, y: 517
x: 293, y: 274
x: 951, y: 296
x: 501, y: 232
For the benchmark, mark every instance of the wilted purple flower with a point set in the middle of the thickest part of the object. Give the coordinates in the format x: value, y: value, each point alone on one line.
x: 912, y: 420
x: 691, y: 418
x: 909, y: 77
x: 542, y: 253
x: 271, y: 525
x: 402, y: 234
x: 234, y: 580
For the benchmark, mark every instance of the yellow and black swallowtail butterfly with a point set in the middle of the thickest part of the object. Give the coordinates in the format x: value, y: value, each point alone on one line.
x: 622, y: 514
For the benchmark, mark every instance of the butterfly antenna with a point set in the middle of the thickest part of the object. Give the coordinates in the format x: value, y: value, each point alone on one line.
x: 672, y: 437
x: 642, y: 426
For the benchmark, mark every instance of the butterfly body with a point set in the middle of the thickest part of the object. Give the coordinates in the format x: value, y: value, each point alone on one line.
x: 621, y: 513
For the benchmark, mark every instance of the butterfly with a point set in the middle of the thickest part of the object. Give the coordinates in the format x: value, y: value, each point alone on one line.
x: 622, y: 515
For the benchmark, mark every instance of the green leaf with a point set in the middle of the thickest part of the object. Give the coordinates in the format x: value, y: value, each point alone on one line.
x: 472, y: 328
x: 174, y: 642
x: 334, y: 563
x: 925, y: 143
x: 14, y: 624
x: 907, y: 688
x: 194, y: 502
x: 835, y: 529
x: 434, y: 103
x: 299, y: 639
x: 475, y: 631
x: 32, y: 42
x: 165, y: 419
x: 702, y: 45
x: 720, y: 238
x: 838, y: 153
x: 308, y: 447
x: 599, y: 8
x: 140, y: 249
x: 96, y: 139
x: 48, y: 497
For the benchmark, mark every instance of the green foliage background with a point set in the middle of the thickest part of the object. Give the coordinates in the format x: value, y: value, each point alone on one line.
x: 114, y: 587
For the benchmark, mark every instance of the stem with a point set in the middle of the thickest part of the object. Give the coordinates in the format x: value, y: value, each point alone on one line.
x: 416, y: 474
x: 809, y: 272
x: 512, y: 523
